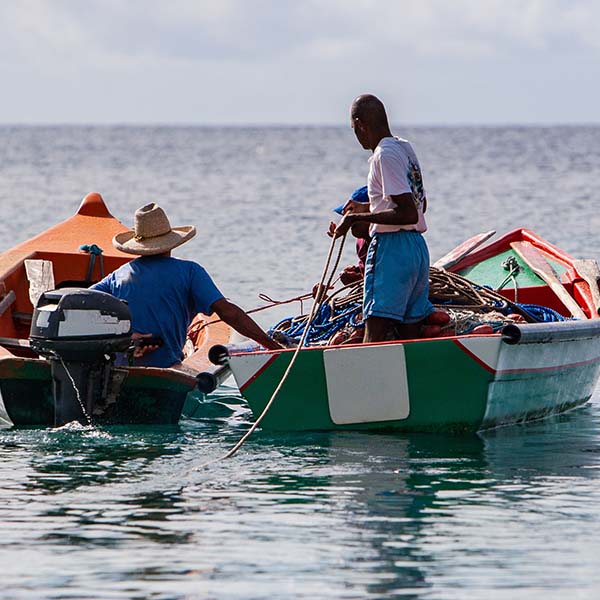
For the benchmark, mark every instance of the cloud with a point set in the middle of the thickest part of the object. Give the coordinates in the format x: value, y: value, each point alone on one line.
x: 251, y: 30
x: 287, y: 54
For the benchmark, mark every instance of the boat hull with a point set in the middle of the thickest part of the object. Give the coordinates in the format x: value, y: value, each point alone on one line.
x: 459, y: 383
x: 147, y: 396
x: 449, y: 384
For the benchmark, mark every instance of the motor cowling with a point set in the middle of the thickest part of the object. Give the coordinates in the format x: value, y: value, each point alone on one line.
x: 79, y: 331
x: 79, y: 324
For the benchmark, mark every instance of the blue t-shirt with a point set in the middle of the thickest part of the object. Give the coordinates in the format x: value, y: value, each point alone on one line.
x: 164, y: 294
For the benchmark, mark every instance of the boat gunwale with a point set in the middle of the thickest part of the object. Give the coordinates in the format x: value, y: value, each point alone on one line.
x: 502, y: 244
x: 454, y: 338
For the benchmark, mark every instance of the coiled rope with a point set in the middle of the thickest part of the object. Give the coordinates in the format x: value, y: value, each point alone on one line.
x: 468, y: 304
x: 338, y: 312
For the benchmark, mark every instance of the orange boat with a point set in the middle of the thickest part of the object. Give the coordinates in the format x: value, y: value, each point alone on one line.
x: 75, y: 254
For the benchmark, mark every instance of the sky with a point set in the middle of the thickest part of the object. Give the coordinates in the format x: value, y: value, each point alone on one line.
x: 232, y: 62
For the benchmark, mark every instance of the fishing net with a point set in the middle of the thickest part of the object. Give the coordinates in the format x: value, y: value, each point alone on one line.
x: 469, y: 305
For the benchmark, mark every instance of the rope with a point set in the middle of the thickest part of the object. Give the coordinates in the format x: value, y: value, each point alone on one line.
x: 273, y: 303
x: 322, y: 291
x: 85, y: 412
x: 543, y: 314
x: 339, y: 312
x: 468, y: 304
x: 313, y: 311
x: 93, y: 251
x: 511, y: 265
x: 198, y: 325
x: 447, y: 288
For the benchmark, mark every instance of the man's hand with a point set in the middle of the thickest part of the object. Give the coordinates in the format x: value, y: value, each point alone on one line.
x: 331, y: 230
x: 344, y: 225
x: 320, y: 291
x: 355, y: 207
x: 138, y: 349
x: 236, y: 318
x: 351, y: 274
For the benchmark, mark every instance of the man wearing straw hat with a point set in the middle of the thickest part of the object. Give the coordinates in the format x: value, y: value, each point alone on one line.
x: 165, y: 293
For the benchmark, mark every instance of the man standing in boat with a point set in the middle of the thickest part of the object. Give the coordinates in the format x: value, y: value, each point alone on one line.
x: 396, y: 289
x: 165, y: 293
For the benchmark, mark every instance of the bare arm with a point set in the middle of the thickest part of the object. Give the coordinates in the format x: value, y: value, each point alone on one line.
x: 236, y: 318
x: 403, y: 213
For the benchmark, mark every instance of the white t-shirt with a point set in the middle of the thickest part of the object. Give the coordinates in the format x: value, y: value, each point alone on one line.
x: 394, y: 169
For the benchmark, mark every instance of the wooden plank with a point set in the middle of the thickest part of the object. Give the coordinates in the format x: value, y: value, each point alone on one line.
x: 589, y: 270
x: 7, y: 301
x: 541, y: 267
x: 452, y: 257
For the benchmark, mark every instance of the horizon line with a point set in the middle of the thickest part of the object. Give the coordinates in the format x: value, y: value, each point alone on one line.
x: 274, y: 125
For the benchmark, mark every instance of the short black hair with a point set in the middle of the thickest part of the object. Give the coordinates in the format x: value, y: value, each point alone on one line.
x: 370, y: 110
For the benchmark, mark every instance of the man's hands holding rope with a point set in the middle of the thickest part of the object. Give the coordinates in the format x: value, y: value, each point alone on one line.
x: 351, y: 215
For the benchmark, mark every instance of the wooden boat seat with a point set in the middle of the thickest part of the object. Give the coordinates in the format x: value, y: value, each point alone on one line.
x: 23, y: 318
x: 7, y: 301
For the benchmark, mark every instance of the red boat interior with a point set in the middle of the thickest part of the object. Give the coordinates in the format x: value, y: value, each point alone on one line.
x: 488, y: 259
x: 61, y: 245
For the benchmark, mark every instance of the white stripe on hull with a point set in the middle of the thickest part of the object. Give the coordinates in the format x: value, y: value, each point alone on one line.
x: 538, y: 379
x: 367, y: 384
x: 485, y: 348
x: 547, y: 356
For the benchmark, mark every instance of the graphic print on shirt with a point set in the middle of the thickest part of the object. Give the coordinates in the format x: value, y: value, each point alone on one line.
x: 416, y: 182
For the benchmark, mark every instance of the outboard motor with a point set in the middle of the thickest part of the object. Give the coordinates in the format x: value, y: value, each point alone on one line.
x: 79, y: 331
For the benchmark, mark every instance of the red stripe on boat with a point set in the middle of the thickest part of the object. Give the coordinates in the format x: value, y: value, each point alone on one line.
x: 475, y: 357
x: 258, y: 373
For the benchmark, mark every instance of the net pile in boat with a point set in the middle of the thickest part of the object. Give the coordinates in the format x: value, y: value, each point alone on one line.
x: 469, y: 305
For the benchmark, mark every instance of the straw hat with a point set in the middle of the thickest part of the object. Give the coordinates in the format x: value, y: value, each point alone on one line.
x: 152, y: 233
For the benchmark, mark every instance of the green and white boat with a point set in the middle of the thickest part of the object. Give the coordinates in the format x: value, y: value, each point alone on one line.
x: 522, y: 372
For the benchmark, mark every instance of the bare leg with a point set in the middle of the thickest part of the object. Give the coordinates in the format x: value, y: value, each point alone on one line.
x: 408, y: 331
x: 377, y: 329
x: 380, y: 329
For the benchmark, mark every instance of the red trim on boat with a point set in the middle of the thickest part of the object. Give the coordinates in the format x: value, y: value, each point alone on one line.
x: 528, y: 370
x: 475, y: 357
x: 502, y: 244
x: 258, y: 373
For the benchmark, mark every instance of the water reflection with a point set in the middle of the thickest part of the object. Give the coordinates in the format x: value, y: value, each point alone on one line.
x: 380, y: 490
x: 342, y: 514
x: 63, y: 460
x: 144, y: 516
x: 395, y: 508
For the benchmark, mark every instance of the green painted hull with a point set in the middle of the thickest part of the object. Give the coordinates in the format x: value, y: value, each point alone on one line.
x: 303, y: 404
x: 455, y: 384
x: 148, y: 396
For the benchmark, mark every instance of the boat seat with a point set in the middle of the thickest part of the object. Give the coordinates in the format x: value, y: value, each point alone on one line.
x: 7, y: 301
x: 22, y: 317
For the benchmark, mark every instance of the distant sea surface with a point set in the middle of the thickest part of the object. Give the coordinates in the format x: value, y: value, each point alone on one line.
x: 122, y: 513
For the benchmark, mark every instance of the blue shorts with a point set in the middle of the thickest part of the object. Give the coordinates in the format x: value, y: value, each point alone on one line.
x: 397, y: 277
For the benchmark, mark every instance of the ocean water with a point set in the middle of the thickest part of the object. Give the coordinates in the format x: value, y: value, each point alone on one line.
x: 125, y: 512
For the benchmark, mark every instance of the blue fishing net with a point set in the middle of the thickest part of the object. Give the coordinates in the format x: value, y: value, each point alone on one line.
x: 542, y: 314
x: 327, y: 322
